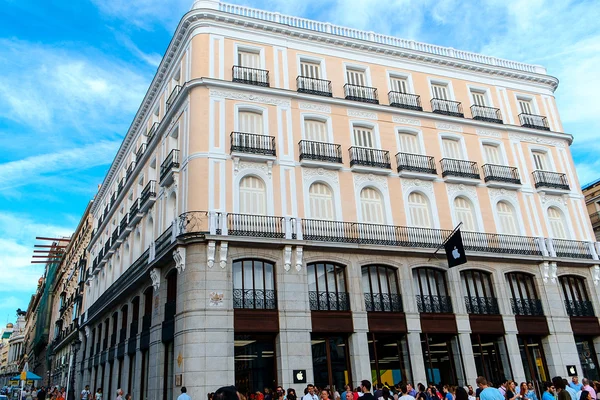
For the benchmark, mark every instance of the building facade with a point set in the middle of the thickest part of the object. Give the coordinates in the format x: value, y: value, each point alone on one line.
x: 16, y: 347
x: 272, y: 210
x: 4, y: 349
x: 592, y: 201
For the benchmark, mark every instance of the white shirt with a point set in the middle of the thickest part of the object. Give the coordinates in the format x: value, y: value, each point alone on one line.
x: 184, y: 396
x: 406, y: 397
x: 308, y: 396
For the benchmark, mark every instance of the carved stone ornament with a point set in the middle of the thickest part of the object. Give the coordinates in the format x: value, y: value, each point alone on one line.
x: 495, y: 193
x: 287, y: 257
x: 179, y: 258
x: 314, y: 107
x: 488, y: 133
x: 223, y: 254
x: 215, y: 299
x: 549, y: 272
x: 406, y: 121
x: 299, y: 253
x: 155, y: 276
x: 362, y: 114
x: 596, y: 274
x: 239, y: 166
x: 210, y: 253
x: 520, y: 137
x: 460, y: 188
x: 310, y: 173
x: 411, y: 184
x: 230, y: 94
x: 445, y: 126
x: 360, y: 179
x: 545, y: 198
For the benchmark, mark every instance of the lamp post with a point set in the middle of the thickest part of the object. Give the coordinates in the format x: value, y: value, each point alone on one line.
x: 72, y: 369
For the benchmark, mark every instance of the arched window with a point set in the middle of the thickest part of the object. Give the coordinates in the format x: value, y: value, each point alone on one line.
x: 577, y: 301
x: 250, y: 122
x: 254, y: 285
x: 418, y: 210
x: 465, y: 213
x: 321, y: 201
x: 557, y: 223
x: 371, y: 205
x: 432, y: 290
x: 327, y: 287
x: 409, y: 143
x: 524, y: 297
x: 479, y: 292
x: 253, y: 196
x: 315, y: 130
x: 507, y: 219
x: 381, y: 289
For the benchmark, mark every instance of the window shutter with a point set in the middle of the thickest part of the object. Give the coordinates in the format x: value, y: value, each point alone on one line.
x: 399, y: 84
x: 310, y: 70
x: 371, y: 206
x: 356, y: 77
x: 507, y: 219
x: 439, y: 91
x: 315, y: 130
x: 465, y: 213
x: 539, y: 161
x: 321, y: 202
x: 253, y: 196
x: 248, y: 59
x: 409, y: 143
x: 479, y: 99
x: 250, y: 122
x: 557, y: 224
x: 525, y: 106
x: 418, y: 210
x: 492, y: 154
x: 363, y: 137
x: 452, y: 149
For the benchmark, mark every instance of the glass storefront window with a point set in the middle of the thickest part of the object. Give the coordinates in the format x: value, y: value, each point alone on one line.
x: 389, y: 358
x: 587, y: 357
x: 331, y: 361
x: 443, y: 360
x: 255, y: 363
x: 534, y: 361
x: 491, y: 357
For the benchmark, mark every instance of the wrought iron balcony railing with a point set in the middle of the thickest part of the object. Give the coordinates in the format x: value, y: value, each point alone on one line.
x: 415, y: 163
x: 255, y: 225
x: 447, y: 107
x: 115, y: 235
x: 149, y: 192
x: 572, y: 249
x: 369, y: 157
x: 531, y: 307
x: 482, y: 305
x: 134, y: 209
x: 501, y: 173
x: 487, y: 114
x: 140, y: 151
x: 405, y: 100
x: 173, y: 96
x: 434, y: 304
x: 387, y: 302
x: 553, y: 180
x: 320, y: 151
x: 459, y: 168
x: 309, y: 85
x: 257, y: 299
x: 129, y: 172
x: 152, y: 132
x: 534, y: 121
x: 171, y: 162
x: 579, y: 308
x: 364, y: 94
x: 170, y: 309
x: 124, y: 222
x: 253, y: 143
x: 250, y: 76
x: 329, y: 301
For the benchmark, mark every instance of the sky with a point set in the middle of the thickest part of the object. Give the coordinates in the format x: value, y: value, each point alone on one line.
x: 73, y: 74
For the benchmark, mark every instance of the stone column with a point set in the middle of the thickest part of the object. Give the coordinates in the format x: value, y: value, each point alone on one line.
x: 358, y: 344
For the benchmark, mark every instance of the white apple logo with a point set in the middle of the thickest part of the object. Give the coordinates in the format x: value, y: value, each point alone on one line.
x: 572, y: 369
x: 299, y: 376
x: 455, y: 253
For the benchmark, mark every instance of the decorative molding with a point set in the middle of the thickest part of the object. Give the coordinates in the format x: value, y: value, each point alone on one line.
x: 445, y: 126
x: 521, y: 137
x: 460, y: 188
x: 210, y: 253
x: 255, y: 98
x: 362, y: 114
x: 155, y: 276
x: 406, y: 121
x: 179, y: 258
x: 488, y: 133
x: 495, y: 193
x: 223, y: 254
x: 215, y: 299
x: 314, y: 107
x: 299, y: 254
x: 287, y: 257
x: 310, y: 173
x: 239, y: 166
x: 548, y: 198
x: 411, y: 184
x: 596, y: 274
x: 359, y: 179
x: 549, y: 271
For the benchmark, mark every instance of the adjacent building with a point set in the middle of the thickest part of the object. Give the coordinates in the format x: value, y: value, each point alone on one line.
x: 4, y: 349
x: 16, y: 347
x: 591, y: 192
x: 276, y: 205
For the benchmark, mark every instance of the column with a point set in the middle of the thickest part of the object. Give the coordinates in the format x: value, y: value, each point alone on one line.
x: 357, y: 342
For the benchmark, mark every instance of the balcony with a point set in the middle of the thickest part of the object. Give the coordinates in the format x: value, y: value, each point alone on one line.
x: 114, y: 239
x: 416, y: 166
x: 250, y: 76
x: 255, y: 226
x: 113, y: 339
x: 460, y: 171
x: 253, y: 146
x: 152, y: 132
x: 124, y: 228
x: 579, y: 308
x: 329, y: 301
x: 139, y: 153
x: 129, y: 172
x: 501, y: 176
x: 385, y: 302
x: 320, y: 154
x: 168, y: 325
x: 107, y: 248
x: 255, y: 299
x: 364, y: 159
x: 434, y: 304
x: 534, y: 121
x: 363, y: 94
x: 551, y: 181
x: 120, y: 186
x: 173, y: 96
x: 169, y: 168
x: 148, y: 196
x: 447, y: 107
x: 405, y: 100
x: 145, y: 336
x: 572, y: 249
x: 132, y: 342
x: 487, y: 114
x: 482, y: 305
x: 530, y: 307
x: 134, y: 212
x: 595, y: 219
x: 319, y: 87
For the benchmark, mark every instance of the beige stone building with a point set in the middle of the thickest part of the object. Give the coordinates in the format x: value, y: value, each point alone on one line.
x: 592, y: 201
x: 276, y: 204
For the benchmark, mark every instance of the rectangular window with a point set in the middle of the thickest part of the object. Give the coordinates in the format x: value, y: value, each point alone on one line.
x: 399, y: 84
x: 315, y: 130
x: 250, y: 122
x: 363, y: 137
x: 250, y: 59
x: 356, y: 77
x: 478, y: 98
x: 525, y: 106
x: 452, y: 149
x: 440, y: 91
x: 492, y: 154
x: 310, y: 69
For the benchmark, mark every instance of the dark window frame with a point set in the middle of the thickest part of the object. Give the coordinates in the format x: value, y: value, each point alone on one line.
x: 387, y: 270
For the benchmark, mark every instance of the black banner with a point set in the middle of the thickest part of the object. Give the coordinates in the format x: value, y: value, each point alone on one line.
x: 455, y: 252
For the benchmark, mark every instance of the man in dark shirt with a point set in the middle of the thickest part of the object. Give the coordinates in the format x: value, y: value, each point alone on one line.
x: 41, y: 395
x: 559, y: 386
x: 365, y: 387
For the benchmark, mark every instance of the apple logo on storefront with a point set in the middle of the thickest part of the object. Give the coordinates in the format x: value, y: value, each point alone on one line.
x: 299, y: 375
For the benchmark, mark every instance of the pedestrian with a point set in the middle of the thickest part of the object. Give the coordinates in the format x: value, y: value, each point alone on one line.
x: 128, y: 396
x: 447, y: 393
x: 98, y: 394
x: 511, y: 393
x: 184, y: 395
x: 559, y: 387
x: 119, y: 394
x: 85, y: 393
x: 291, y: 394
x: 411, y: 390
x: 385, y: 394
x: 346, y: 389
x: 42, y: 394
x: 365, y: 388
x: 575, y: 385
x: 310, y: 393
x: 461, y: 393
x: 585, y: 395
x: 570, y: 390
x: 531, y: 392
x: 487, y: 392
x: 586, y: 386
x: 404, y: 391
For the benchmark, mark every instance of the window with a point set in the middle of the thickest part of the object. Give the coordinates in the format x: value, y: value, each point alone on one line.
x: 451, y: 148
x: 381, y: 289
x: 577, y: 301
x: 310, y: 69
x: 250, y: 122
x: 409, y: 143
x: 321, y: 202
x: 540, y: 160
x: 432, y: 290
x: 356, y: 77
x: 418, y: 210
x: 465, y: 213
x: 525, y: 106
x: 439, y: 91
x: 253, y: 196
x: 507, y: 219
x: 557, y: 223
x: 524, y: 298
x: 315, y: 130
x: 327, y: 287
x: 249, y: 59
x: 363, y: 137
x: 399, y: 84
x: 478, y: 98
x: 254, y: 285
x: 492, y: 154
x: 479, y: 292
x: 371, y: 205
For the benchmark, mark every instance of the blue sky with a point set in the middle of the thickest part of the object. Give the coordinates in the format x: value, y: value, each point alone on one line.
x: 72, y: 75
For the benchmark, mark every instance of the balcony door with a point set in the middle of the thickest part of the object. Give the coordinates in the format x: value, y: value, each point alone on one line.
x: 356, y: 77
x: 479, y: 292
x: 254, y: 285
x: 575, y: 295
x: 557, y: 223
x: 525, y: 106
x: 540, y: 161
x: 253, y: 196
x: 439, y: 91
x: 381, y: 289
x: 409, y: 143
x: 321, y: 202
x: 452, y: 149
x: 249, y: 59
x: 399, y: 84
x: 465, y: 213
x: 363, y: 137
x: 315, y: 130
x: 431, y: 290
x: 310, y: 69
x: 327, y: 287
x: 492, y: 154
x: 371, y: 204
x: 507, y: 219
x: 419, y: 211
x: 250, y: 122
x: 524, y: 296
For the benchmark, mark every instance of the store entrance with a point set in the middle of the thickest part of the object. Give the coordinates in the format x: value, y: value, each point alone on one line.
x: 443, y: 361
x: 534, y: 361
x: 331, y: 361
x: 491, y: 357
x: 255, y: 362
x: 587, y: 357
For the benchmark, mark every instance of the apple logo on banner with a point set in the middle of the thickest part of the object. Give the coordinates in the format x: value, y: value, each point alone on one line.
x: 299, y: 375
x: 455, y: 253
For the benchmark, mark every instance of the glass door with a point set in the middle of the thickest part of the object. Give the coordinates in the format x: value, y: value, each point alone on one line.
x: 443, y: 360
x: 587, y: 357
x: 255, y: 362
x: 331, y: 361
x: 491, y: 357
x: 534, y: 361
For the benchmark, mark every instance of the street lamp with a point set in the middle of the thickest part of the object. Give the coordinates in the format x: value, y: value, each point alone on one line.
x: 72, y: 368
